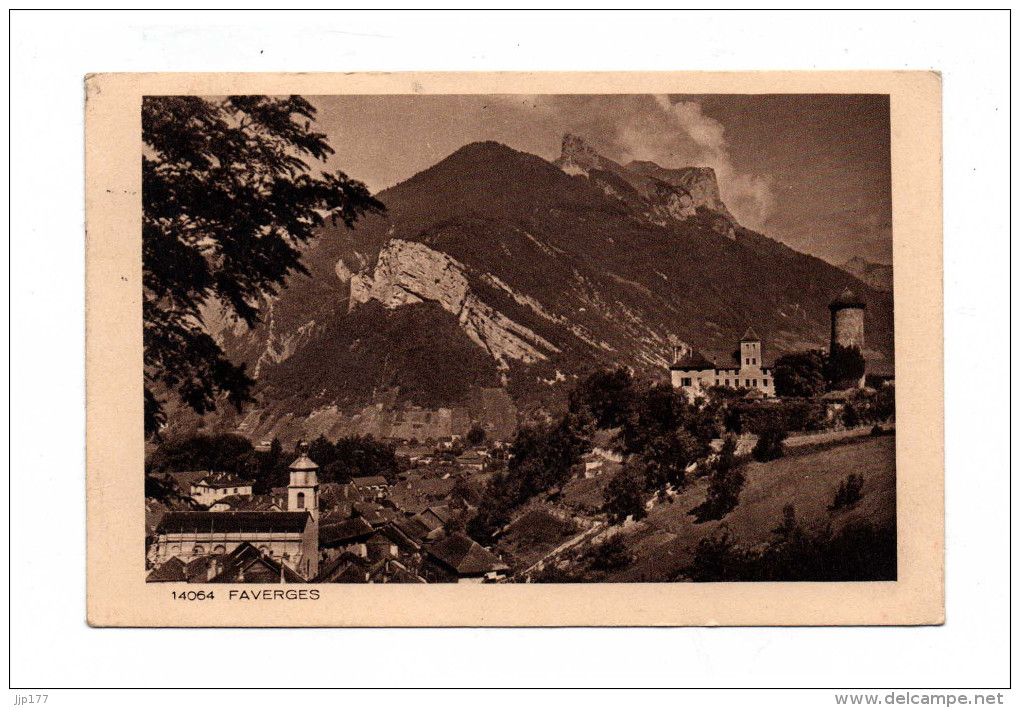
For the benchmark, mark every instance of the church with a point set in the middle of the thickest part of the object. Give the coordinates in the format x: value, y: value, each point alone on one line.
x: 692, y: 373
x: 290, y: 537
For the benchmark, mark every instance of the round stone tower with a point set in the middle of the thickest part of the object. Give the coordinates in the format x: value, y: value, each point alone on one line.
x: 847, y: 321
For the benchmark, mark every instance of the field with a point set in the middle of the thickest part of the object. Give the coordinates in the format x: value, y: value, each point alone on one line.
x: 664, y: 543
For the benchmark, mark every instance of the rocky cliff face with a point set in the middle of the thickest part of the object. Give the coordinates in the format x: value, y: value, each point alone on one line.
x: 410, y: 273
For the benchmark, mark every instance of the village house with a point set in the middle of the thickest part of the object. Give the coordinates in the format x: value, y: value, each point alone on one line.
x: 213, y: 487
x: 459, y: 559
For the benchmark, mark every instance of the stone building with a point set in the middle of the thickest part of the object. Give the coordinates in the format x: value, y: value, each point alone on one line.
x: 216, y: 486
x: 847, y: 328
x: 694, y: 374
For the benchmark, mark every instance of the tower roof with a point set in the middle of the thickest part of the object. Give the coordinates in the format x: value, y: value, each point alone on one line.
x: 846, y: 299
x: 750, y: 336
x: 303, y: 462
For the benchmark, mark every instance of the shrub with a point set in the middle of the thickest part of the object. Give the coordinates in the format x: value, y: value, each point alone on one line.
x: 769, y: 445
x: 724, y: 486
x: 623, y: 496
x: 848, y: 493
x: 800, y: 374
x: 611, y: 554
x: 877, y: 431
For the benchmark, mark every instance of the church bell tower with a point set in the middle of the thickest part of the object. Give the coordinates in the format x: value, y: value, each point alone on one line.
x: 303, y: 490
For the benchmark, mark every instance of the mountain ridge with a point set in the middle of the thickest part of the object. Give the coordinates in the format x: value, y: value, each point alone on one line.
x: 534, y: 273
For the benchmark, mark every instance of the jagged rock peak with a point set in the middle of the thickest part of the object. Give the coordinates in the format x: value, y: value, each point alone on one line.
x: 575, y: 146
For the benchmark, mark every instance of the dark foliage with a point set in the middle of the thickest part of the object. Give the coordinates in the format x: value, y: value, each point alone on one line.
x: 667, y: 457
x: 542, y: 458
x: 724, y: 485
x: 848, y: 493
x: 769, y: 445
x: 844, y: 367
x: 609, y: 555
x: 859, y: 552
x: 608, y: 396
x: 476, y: 435
x: 223, y: 452
x: 660, y: 411
x: 624, y: 495
x: 800, y: 374
x: 227, y: 202
x: 755, y: 417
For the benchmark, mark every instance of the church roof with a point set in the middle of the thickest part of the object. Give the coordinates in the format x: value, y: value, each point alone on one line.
x: 233, y: 522
x: 750, y: 336
x: 345, y: 531
x: 846, y: 299
x: 234, y: 565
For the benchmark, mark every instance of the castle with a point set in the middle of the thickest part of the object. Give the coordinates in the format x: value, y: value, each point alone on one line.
x: 692, y: 373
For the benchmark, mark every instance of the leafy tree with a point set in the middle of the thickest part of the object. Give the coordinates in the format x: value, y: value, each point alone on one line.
x: 608, y: 395
x: 769, y: 445
x: 227, y: 202
x: 223, y: 452
x: 611, y: 554
x: 724, y: 485
x: 844, y: 367
x: 800, y: 374
x: 623, y: 495
x: 475, y: 436
x: 668, y: 456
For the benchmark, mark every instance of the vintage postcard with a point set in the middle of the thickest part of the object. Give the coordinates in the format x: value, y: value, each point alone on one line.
x: 527, y: 349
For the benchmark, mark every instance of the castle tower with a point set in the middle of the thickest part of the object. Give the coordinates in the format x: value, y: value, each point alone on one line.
x: 750, y: 350
x: 847, y: 323
x: 303, y: 490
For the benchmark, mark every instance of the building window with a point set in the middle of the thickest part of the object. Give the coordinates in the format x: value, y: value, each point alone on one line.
x: 765, y: 383
x: 685, y: 382
x: 197, y: 550
x: 754, y: 360
x: 747, y: 383
x: 301, y: 500
x: 717, y: 382
x: 727, y: 382
x: 747, y: 361
x: 754, y: 383
x: 220, y: 549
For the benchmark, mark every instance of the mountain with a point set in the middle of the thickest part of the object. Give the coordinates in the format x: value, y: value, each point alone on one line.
x: 496, y: 278
x: 877, y: 275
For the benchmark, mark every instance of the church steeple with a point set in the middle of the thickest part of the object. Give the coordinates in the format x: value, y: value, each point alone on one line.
x: 303, y: 490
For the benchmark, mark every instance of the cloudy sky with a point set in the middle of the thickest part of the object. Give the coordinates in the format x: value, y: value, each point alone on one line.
x: 810, y: 170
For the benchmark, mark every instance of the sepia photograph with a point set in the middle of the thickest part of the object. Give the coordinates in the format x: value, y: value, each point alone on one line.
x: 626, y: 347
x: 518, y: 339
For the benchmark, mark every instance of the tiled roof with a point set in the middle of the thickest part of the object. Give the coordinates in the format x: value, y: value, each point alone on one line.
x: 241, y: 559
x: 345, y: 531
x: 233, y: 522
x: 693, y: 360
x: 374, y: 481
x: 750, y: 336
x: 466, y: 556
x: 220, y: 480
x: 172, y: 571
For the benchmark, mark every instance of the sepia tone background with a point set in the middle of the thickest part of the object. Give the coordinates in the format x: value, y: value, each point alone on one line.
x: 118, y: 596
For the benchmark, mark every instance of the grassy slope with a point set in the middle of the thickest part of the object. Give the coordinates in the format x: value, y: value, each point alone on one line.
x: 664, y: 542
